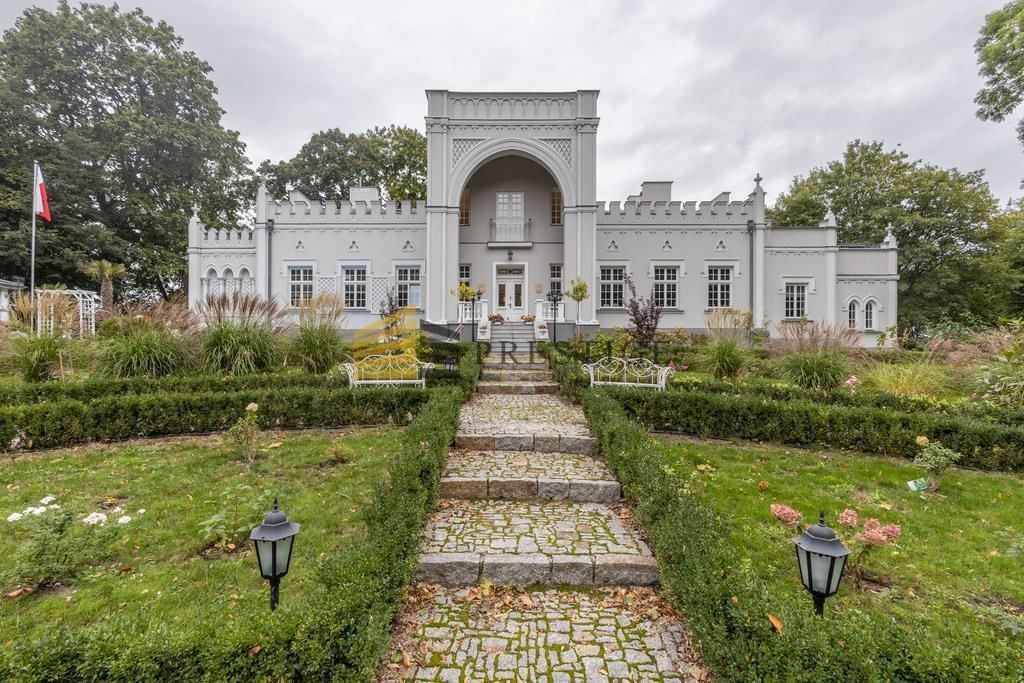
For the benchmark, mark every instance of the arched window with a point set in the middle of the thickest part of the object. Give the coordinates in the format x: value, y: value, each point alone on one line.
x: 228, y: 278
x: 869, y: 315
x: 245, y: 280
x: 853, y: 314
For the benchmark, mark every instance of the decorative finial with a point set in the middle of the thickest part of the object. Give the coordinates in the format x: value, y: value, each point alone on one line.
x: 195, y: 211
x: 758, y: 179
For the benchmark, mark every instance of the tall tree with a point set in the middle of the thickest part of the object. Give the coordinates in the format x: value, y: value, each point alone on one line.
x: 127, y: 127
x: 942, y: 218
x: 392, y: 159
x: 105, y: 272
x: 1000, y: 50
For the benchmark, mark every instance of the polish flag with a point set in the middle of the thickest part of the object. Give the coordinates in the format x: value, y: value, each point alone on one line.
x: 40, y: 204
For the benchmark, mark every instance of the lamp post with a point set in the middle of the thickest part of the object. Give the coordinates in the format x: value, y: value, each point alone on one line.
x: 274, y: 540
x: 554, y: 298
x: 449, y: 363
x: 472, y: 316
x: 821, y: 558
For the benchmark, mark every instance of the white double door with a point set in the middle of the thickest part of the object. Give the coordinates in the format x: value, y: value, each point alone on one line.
x: 510, y: 294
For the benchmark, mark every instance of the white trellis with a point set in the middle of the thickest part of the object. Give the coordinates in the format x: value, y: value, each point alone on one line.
x: 49, y: 305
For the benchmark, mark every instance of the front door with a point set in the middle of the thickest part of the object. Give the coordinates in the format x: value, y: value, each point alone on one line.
x: 511, y: 299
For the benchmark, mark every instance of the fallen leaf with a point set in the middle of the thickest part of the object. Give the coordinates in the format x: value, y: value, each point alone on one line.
x: 526, y: 600
x: 776, y: 622
x: 761, y: 486
x: 25, y: 590
x: 885, y: 506
x: 255, y: 650
x: 406, y: 659
x: 276, y: 444
x: 734, y: 600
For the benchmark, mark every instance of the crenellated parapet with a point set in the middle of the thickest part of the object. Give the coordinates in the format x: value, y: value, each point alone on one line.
x: 298, y: 209
x: 225, y: 238
x: 719, y: 211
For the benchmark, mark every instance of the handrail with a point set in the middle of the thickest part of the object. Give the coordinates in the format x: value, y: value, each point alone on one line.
x: 510, y: 229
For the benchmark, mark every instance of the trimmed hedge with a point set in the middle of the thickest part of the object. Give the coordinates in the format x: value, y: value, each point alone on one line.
x: 339, y: 633
x: 97, y: 388
x: 985, y: 445
x: 778, y: 391
x: 115, y: 418
x: 727, y: 605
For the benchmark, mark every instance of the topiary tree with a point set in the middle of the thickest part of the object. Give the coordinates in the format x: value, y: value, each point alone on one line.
x: 579, y: 291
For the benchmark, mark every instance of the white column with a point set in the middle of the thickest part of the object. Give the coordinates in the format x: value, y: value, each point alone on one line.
x: 195, y: 261
x: 261, y: 269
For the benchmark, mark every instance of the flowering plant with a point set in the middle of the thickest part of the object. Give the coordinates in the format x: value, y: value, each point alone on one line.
x: 786, y: 514
x: 245, y: 433
x: 496, y: 318
x: 934, y: 459
x: 528, y: 318
x: 851, y: 383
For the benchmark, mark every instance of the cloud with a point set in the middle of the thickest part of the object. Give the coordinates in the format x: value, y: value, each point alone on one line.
x: 704, y: 93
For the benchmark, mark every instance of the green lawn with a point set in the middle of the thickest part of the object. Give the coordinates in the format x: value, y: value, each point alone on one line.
x: 956, y: 572
x: 157, y: 568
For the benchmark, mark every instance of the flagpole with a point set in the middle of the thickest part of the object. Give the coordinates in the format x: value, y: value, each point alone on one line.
x: 32, y: 267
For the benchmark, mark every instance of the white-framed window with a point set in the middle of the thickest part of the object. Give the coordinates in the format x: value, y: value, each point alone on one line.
x: 869, y: 315
x: 353, y: 286
x: 300, y: 284
x: 556, y: 277
x: 465, y: 273
x: 795, y: 301
x: 666, y: 286
x: 464, y: 208
x: 851, y: 314
x: 612, y: 286
x: 408, y: 285
x: 556, y: 207
x: 719, y: 286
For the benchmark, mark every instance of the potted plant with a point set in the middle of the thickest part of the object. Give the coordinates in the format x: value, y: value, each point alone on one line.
x: 528, y: 318
x: 496, y: 318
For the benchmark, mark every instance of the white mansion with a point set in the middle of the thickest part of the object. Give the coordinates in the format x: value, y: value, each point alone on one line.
x: 511, y: 209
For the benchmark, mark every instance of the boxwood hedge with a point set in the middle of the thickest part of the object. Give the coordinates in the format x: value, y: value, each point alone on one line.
x: 340, y: 633
x: 727, y: 605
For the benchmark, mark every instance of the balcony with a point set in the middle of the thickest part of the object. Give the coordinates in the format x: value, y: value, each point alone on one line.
x: 510, y: 232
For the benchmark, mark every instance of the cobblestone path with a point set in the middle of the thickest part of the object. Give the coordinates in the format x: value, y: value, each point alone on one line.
x: 531, y: 569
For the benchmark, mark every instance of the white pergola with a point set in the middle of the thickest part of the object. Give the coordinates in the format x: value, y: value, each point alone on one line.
x: 48, y: 302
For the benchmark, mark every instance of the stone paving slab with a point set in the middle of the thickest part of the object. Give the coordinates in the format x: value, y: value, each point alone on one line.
x: 528, y: 475
x: 505, y: 414
x: 516, y: 387
x: 498, y: 527
x: 484, y: 634
x: 516, y: 375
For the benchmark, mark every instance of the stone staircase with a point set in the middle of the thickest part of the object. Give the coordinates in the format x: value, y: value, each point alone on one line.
x: 524, y: 499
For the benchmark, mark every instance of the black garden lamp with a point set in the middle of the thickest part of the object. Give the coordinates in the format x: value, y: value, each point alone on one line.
x: 554, y: 298
x: 821, y: 558
x: 274, y: 540
x: 449, y: 363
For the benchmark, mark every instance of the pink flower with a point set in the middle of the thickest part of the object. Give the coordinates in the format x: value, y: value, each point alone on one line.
x: 891, y: 532
x: 741, y: 371
x: 848, y: 517
x: 672, y: 364
x: 877, y: 535
x: 786, y: 514
x: 684, y: 367
x: 852, y: 383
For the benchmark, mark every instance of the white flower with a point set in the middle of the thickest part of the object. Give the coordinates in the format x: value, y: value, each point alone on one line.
x: 252, y: 407
x: 14, y: 517
x: 118, y: 510
x: 53, y: 507
x: 142, y: 511
x: 124, y: 519
x: 35, y: 511
x: 47, y: 500
x: 96, y: 518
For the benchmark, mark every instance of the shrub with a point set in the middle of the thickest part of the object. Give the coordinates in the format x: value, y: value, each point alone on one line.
x: 142, y: 351
x: 239, y: 510
x: 910, y: 379
x: 934, y: 459
x: 318, y: 347
x: 116, y: 418
x: 819, y: 370
x: 803, y: 423
x: 240, y: 348
x: 57, y: 550
x: 1002, y: 380
x: 722, y: 358
x: 245, y: 433
x: 804, y: 335
x: 43, y: 357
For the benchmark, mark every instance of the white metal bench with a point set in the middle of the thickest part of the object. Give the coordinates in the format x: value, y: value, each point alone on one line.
x: 388, y: 371
x: 628, y: 372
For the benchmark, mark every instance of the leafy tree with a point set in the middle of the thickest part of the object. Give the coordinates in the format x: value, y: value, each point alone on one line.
x: 105, y: 272
x: 392, y: 159
x: 1000, y: 50
x: 127, y: 128
x: 949, y: 258
x: 644, y: 316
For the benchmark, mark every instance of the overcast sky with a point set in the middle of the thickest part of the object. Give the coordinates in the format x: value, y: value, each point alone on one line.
x: 702, y: 92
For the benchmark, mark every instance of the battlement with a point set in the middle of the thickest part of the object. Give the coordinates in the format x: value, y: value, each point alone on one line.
x: 718, y: 211
x: 297, y: 208
x: 224, y: 238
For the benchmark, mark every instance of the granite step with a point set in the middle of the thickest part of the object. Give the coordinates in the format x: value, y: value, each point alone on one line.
x: 528, y: 475
x: 533, y: 543
x: 542, y: 442
x: 517, y: 387
x: 523, y: 422
x: 535, y: 364
x: 516, y: 375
